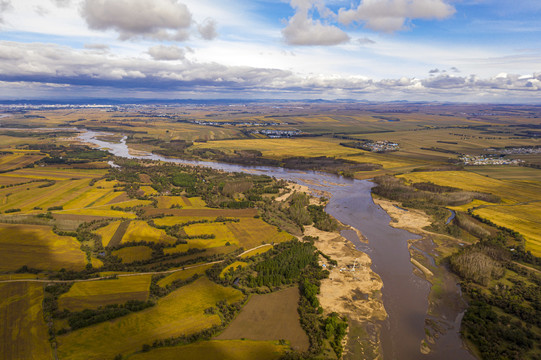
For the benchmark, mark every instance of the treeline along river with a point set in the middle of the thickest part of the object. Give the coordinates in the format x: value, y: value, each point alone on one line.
x: 405, y: 296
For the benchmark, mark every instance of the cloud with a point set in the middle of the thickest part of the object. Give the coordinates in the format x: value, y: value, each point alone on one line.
x: 302, y: 29
x: 5, y: 5
x: 434, y: 71
x: 62, y: 3
x: 38, y: 64
x: 161, y: 52
x: 391, y: 15
x: 365, y: 41
x: 207, y: 29
x: 102, y: 48
x: 154, y: 19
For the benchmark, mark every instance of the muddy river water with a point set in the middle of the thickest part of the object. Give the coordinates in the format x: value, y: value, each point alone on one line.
x: 405, y: 295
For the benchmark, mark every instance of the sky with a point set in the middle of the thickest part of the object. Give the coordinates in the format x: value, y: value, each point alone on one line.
x: 485, y: 51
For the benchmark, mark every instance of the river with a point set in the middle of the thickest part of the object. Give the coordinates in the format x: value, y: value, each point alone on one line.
x: 405, y: 295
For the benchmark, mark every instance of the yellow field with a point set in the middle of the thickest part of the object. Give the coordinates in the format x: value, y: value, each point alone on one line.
x: 183, y: 275
x: 23, y: 333
x: 218, y: 349
x: 38, y: 247
x: 252, y: 232
x: 92, y: 294
x: 221, y: 231
x: 521, y: 200
x: 248, y: 233
x: 173, y: 220
x: 177, y: 249
x: 18, y: 160
x: 526, y: 219
x: 165, y: 202
x: 509, y: 190
x: 149, y: 190
x: 280, y: 148
x: 104, y: 212
x: 107, y: 232
x: 257, y: 251
x: 233, y: 266
x: 180, y: 312
x: 133, y: 253
x: 59, y: 174
x: 141, y: 231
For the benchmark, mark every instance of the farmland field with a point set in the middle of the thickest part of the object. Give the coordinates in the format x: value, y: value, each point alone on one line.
x: 521, y: 201
x: 218, y: 349
x: 107, y: 232
x: 269, y: 317
x: 92, y: 294
x: 181, y: 312
x: 526, y: 219
x: 23, y: 333
x: 166, y: 202
x: 133, y: 253
x: 38, y: 247
x: 141, y: 231
x: 183, y: 274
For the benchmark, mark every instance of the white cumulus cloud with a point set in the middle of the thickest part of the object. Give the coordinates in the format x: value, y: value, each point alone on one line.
x: 161, y: 52
x: 154, y: 19
x: 391, y: 15
x: 302, y: 29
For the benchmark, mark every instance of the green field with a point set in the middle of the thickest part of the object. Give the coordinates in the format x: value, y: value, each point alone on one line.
x: 93, y: 294
x: 23, y: 332
x: 181, y: 312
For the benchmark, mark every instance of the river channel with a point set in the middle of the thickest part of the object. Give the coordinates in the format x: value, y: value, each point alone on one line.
x: 405, y: 295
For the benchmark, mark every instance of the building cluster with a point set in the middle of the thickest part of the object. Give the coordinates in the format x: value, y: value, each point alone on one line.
x: 517, y: 150
x: 235, y: 123
x: 380, y: 146
x: 273, y: 134
x: 488, y: 160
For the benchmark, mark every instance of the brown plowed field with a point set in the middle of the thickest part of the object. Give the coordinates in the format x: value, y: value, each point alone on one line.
x: 269, y: 317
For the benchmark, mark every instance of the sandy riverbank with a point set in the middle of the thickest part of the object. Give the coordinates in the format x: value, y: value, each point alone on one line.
x: 355, y: 294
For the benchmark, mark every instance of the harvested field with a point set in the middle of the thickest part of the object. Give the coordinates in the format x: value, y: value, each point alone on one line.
x: 221, y: 232
x: 269, y: 317
x: 93, y: 294
x: 23, y: 333
x: 107, y: 232
x: 165, y: 202
x: 118, y: 234
x: 133, y: 253
x: 218, y: 349
x: 210, y: 213
x: 252, y: 232
x: 38, y: 247
x: 139, y: 230
x: 18, y: 160
x: 181, y: 312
